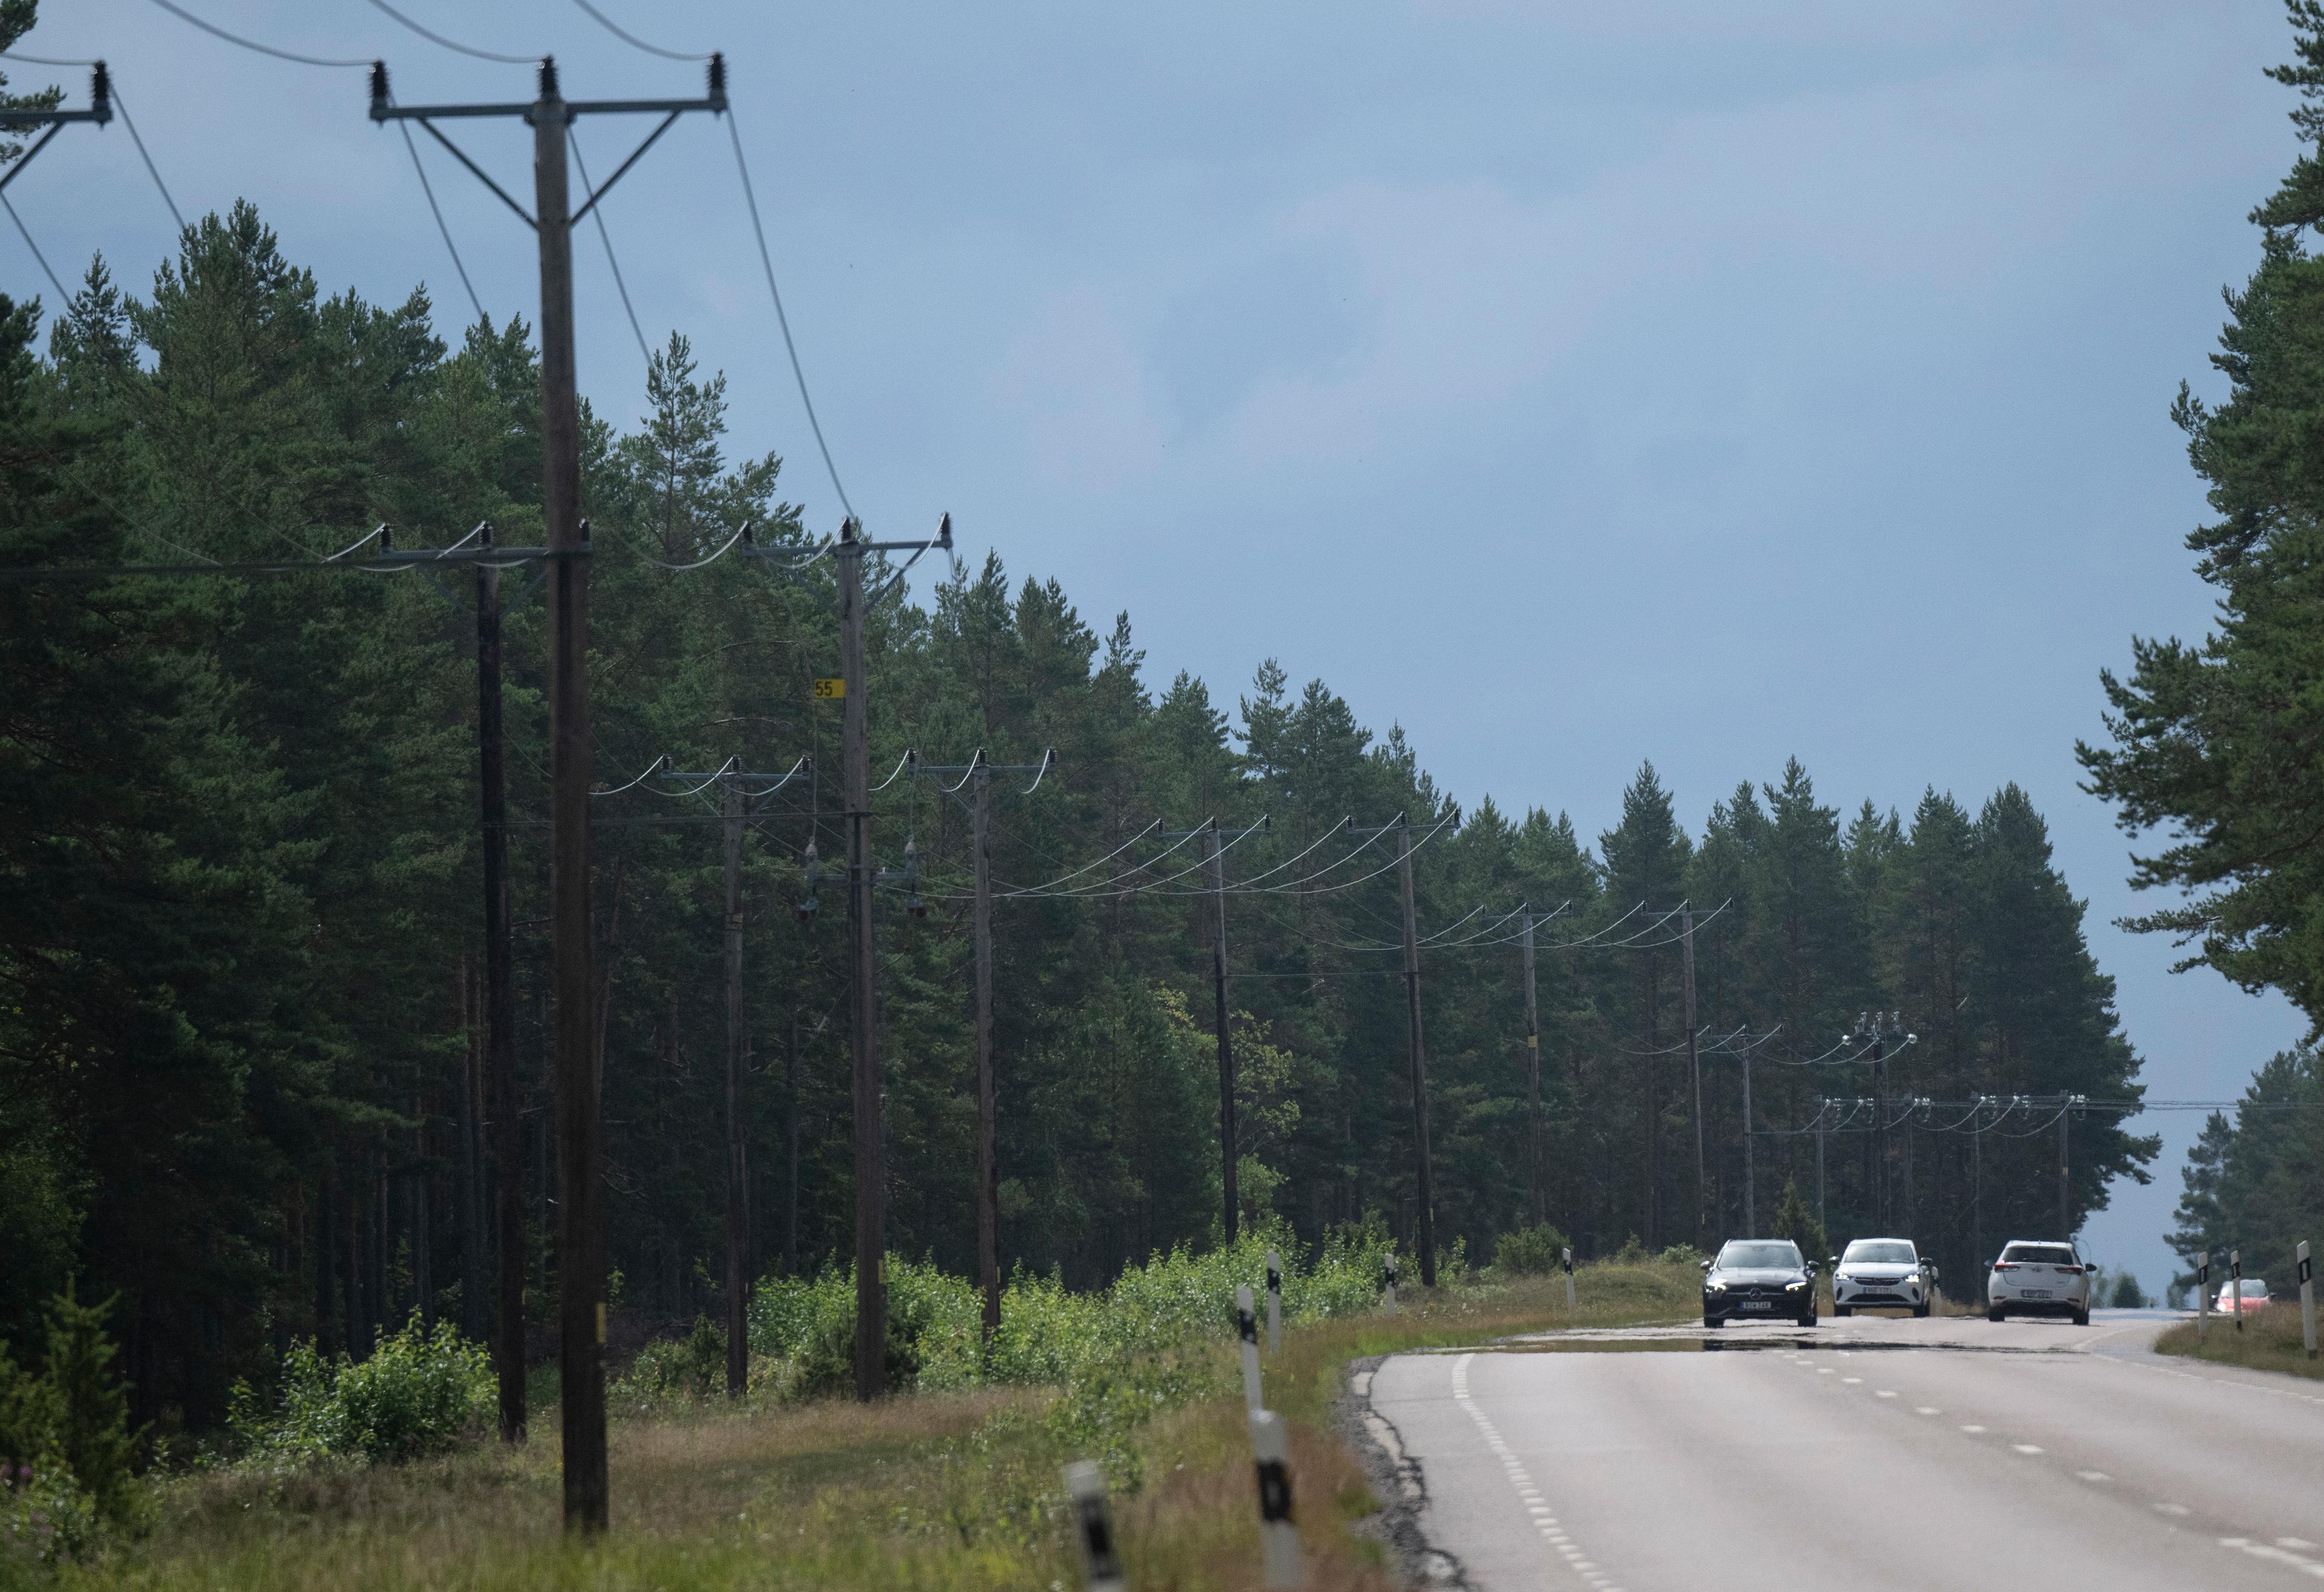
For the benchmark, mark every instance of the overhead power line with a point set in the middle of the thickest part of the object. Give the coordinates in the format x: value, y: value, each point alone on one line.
x: 27, y: 234
x: 626, y: 37
x: 436, y: 210
x: 454, y: 44
x: 42, y: 60
x: 153, y: 171
x: 597, y: 214
x: 758, y: 228
x: 182, y: 14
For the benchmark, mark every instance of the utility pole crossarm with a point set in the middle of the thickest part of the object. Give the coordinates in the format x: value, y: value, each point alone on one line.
x: 100, y: 111
x: 580, y: 1119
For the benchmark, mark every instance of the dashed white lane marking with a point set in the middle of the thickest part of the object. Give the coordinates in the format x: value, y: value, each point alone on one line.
x: 1852, y: 1379
x: 1924, y: 1410
x: 1884, y: 1393
x: 1530, y: 1495
x: 1823, y: 1370
x: 1972, y: 1428
x: 2169, y: 1508
x: 2283, y: 1556
x: 2295, y: 1543
x: 2026, y: 1447
x: 2094, y: 1476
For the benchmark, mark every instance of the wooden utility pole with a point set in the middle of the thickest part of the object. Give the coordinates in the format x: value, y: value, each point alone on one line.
x: 979, y: 771
x: 1532, y: 1077
x: 580, y: 1130
x: 738, y: 1216
x: 1693, y: 1066
x: 848, y: 553
x: 871, y: 1157
x: 1419, y: 1054
x: 1229, y: 1150
x: 988, y: 1160
x: 1215, y: 841
x: 500, y: 1015
x: 580, y: 1126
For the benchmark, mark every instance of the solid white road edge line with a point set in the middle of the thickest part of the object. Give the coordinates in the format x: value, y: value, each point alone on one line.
x: 1521, y: 1480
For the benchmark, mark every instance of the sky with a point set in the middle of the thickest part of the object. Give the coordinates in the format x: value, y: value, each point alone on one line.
x: 1572, y: 385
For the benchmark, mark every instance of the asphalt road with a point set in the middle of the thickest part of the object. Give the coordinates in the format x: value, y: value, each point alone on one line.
x: 1875, y: 1452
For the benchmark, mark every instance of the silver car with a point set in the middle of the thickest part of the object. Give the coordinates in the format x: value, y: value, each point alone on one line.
x: 1880, y: 1273
x: 2036, y: 1279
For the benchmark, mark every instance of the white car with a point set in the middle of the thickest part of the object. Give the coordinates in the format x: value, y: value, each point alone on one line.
x: 2034, y: 1278
x: 1880, y: 1273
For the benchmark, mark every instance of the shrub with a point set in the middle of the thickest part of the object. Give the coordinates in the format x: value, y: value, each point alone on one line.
x: 1683, y: 1255
x: 1048, y: 1333
x: 90, y: 1404
x: 666, y: 1370
x: 2127, y: 1295
x: 1529, y: 1252
x: 419, y: 1392
x: 45, y: 1518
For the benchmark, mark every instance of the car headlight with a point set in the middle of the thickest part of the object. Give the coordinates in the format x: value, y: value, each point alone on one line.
x: 1793, y: 1287
x: 1714, y: 1286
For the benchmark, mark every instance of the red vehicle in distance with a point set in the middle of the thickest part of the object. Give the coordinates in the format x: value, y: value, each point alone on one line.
x: 2252, y: 1299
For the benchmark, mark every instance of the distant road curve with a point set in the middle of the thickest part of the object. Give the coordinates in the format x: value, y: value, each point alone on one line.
x: 1896, y: 1454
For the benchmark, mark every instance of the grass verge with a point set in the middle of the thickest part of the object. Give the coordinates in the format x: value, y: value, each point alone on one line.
x: 944, y: 1490
x: 2270, y: 1341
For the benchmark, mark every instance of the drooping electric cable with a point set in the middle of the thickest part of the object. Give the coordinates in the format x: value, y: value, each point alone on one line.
x: 597, y: 213
x: 152, y: 171
x: 450, y: 247
x: 182, y: 14
x: 454, y: 44
x: 62, y: 296
x: 767, y: 259
x: 626, y: 37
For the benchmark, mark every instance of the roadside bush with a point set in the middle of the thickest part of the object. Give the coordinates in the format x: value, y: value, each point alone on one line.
x: 419, y: 1392
x: 666, y: 1370
x: 45, y: 1518
x: 1529, y: 1252
x: 1050, y: 1334
x: 65, y: 1447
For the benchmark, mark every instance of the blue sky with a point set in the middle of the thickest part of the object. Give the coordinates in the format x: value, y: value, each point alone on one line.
x: 1572, y: 385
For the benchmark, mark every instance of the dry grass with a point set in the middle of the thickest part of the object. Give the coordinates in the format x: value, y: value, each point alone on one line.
x: 2270, y: 1341
x: 958, y: 1492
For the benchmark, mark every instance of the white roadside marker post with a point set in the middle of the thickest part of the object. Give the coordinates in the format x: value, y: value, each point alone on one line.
x: 1102, y: 1565
x: 2236, y: 1275
x: 1387, y: 1282
x: 1278, y: 1536
x: 2202, y: 1296
x: 1568, y: 1256
x: 2307, y: 1299
x: 1246, y: 1328
x: 1273, y: 1304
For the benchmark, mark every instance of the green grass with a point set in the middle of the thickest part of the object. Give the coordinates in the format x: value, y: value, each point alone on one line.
x: 954, y: 1489
x: 2270, y: 1341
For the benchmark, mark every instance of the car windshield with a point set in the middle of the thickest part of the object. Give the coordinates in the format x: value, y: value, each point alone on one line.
x: 2255, y: 1289
x: 1741, y: 1256
x: 2040, y: 1254
x: 1879, y: 1252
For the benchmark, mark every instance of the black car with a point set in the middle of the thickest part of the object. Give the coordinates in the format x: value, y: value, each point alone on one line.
x: 1758, y: 1280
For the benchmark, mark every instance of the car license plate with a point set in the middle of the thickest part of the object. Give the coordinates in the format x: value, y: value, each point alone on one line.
x: 1758, y: 1304
x: 2032, y: 1293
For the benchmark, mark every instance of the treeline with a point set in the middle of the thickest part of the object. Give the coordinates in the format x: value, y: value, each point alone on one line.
x: 2212, y: 742
x: 240, y: 935
x: 2254, y: 1185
